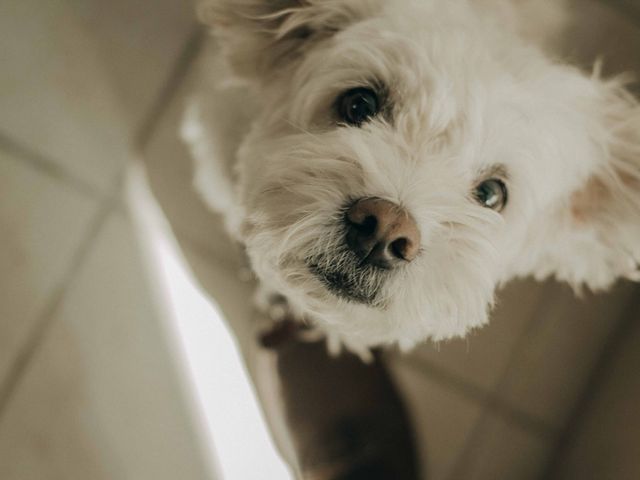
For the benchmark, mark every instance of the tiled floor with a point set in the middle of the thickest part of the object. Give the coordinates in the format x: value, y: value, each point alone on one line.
x: 35, y: 206
x: 86, y: 386
x: 98, y: 399
x: 88, y: 389
x: 604, y: 442
x: 56, y: 98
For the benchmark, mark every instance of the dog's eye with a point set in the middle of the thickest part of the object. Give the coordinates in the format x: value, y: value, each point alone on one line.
x: 357, y: 105
x: 492, y: 194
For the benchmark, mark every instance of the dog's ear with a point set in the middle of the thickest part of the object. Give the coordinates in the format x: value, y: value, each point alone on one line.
x: 592, y: 237
x: 260, y: 37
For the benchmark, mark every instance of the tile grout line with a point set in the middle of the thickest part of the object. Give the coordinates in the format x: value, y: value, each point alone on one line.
x: 182, y: 65
x: 465, y: 454
x: 488, y: 400
x: 46, y: 166
x: 45, y: 319
x: 597, y: 377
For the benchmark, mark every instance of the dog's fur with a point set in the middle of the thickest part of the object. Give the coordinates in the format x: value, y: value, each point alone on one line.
x: 472, y: 88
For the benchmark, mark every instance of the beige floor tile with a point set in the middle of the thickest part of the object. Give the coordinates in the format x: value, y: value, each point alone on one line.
x: 170, y: 171
x: 538, y: 349
x: 42, y: 223
x: 502, y: 451
x: 55, y: 95
x: 483, y: 356
x: 443, y: 419
x: 138, y: 42
x: 548, y: 373
x: 607, y: 443
x: 101, y: 399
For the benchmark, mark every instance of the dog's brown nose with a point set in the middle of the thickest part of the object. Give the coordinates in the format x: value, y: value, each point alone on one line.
x: 381, y: 233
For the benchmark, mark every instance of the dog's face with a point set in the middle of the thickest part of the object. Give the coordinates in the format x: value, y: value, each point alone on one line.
x: 407, y: 159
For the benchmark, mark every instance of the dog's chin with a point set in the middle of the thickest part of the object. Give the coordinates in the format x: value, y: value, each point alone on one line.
x: 346, y: 279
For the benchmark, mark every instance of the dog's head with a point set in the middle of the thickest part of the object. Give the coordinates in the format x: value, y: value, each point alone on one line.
x: 408, y: 157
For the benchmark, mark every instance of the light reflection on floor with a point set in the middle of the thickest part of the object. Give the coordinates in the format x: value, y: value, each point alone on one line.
x: 235, y: 433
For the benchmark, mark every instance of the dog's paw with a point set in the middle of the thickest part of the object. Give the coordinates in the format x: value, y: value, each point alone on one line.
x: 277, y: 325
x: 270, y: 303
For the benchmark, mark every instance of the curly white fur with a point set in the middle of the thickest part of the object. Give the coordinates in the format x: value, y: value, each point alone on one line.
x: 472, y: 87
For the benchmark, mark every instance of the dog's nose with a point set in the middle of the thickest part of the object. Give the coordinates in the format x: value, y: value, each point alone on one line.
x: 381, y: 233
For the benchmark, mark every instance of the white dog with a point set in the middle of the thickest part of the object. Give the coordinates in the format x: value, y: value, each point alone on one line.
x: 388, y: 163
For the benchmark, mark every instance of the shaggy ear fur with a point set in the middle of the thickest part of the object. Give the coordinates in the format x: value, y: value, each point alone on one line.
x: 593, y: 237
x: 261, y: 36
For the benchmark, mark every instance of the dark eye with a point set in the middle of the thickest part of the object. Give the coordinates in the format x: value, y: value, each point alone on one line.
x: 357, y: 105
x: 492, y: 194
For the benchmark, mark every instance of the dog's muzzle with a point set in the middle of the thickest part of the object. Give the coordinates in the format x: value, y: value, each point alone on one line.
x: 380, y: 236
